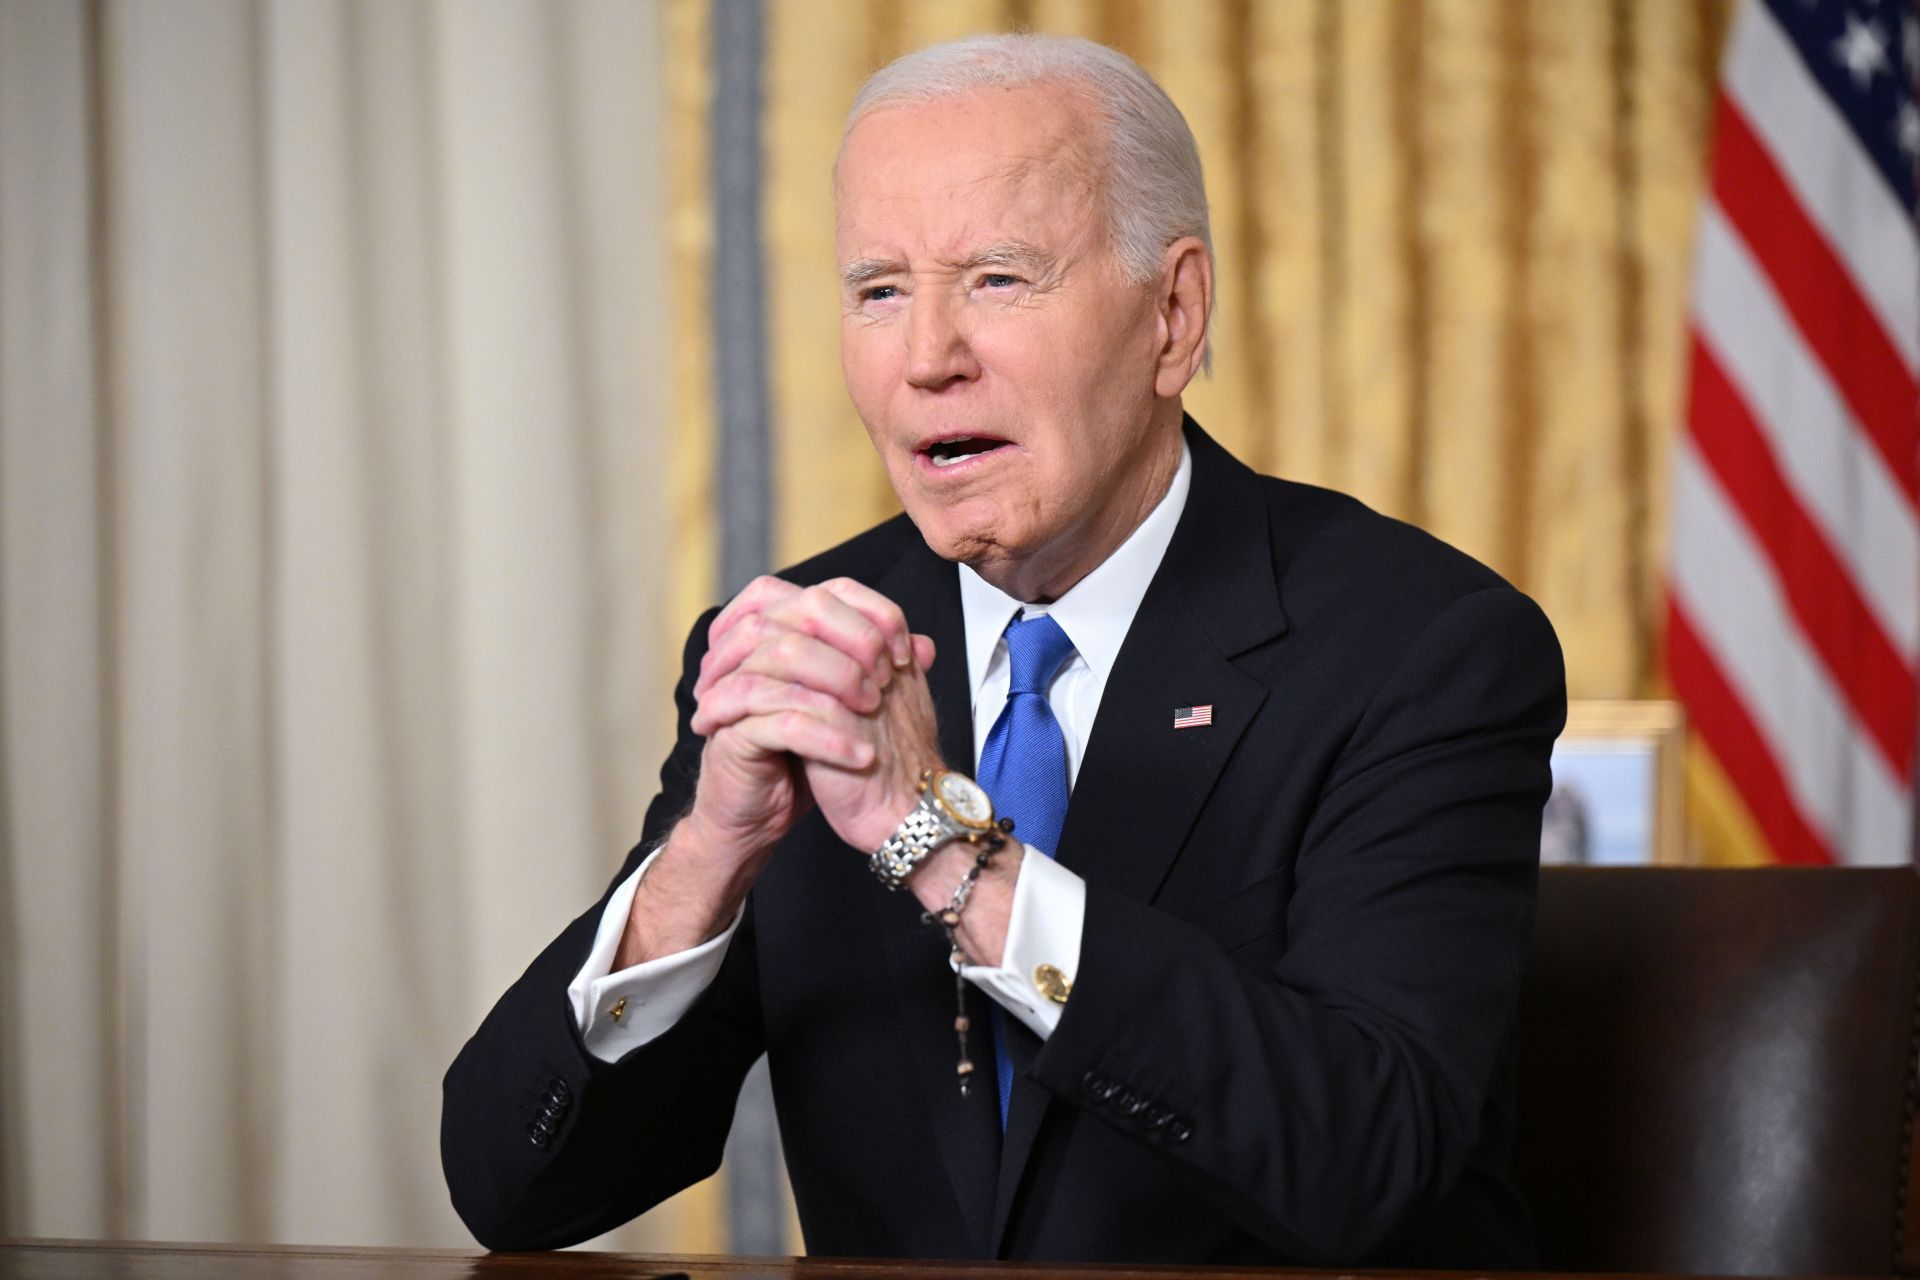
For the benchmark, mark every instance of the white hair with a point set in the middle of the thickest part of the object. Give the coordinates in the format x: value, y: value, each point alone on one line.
x: 1154, y: 188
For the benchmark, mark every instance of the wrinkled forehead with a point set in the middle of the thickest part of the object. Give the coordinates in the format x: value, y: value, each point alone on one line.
x: 1029, y: 152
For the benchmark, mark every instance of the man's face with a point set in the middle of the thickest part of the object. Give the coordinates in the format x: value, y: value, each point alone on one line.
x: 1003, y: 365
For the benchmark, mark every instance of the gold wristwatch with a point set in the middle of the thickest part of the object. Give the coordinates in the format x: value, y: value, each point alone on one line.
x: 952, y: 806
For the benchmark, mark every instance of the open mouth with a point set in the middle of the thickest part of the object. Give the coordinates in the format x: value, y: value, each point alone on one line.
x: 951, y: 453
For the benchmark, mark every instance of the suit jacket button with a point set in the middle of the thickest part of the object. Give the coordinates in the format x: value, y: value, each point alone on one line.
x: 1133, y: 1105
x: 1179, y: 1129
x: 1157, y: 1116
x: 558, y: 1091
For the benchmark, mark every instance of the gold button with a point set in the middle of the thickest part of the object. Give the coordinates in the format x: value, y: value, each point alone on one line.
x: 619, y: 1009
x: 1052, y: 983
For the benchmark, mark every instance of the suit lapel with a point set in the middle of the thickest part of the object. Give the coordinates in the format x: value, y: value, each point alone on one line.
x: 1142, y: 782
x: 967, y: 1130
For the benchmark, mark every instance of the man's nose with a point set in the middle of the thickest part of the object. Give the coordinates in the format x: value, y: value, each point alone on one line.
x: 937, y: 350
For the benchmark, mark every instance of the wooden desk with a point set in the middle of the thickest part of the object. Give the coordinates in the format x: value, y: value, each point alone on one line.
x: 93, y: 1260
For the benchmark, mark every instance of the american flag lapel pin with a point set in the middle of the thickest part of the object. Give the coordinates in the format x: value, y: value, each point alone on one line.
x: 1193, y: 717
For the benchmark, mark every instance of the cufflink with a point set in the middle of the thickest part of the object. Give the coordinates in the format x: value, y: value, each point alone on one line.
x: 1052, y: 983
x: 619, y: 1009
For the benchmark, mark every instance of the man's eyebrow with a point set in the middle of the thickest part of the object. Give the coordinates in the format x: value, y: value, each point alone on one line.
x: 861, y: 270
x: 1007, y: 253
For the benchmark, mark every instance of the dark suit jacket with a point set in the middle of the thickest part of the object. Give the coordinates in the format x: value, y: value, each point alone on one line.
x: 1289, y: 1039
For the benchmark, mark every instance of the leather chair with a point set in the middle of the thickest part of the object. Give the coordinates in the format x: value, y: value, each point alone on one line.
x: 1717, y: 1071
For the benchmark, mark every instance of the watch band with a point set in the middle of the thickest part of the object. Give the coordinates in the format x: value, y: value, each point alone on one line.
x: 919, y: 833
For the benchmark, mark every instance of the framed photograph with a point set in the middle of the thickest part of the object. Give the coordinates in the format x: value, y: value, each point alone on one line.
x: 1616, y: 787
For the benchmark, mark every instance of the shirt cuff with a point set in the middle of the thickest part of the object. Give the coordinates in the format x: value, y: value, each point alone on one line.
x: 1049, y: 913
x: 619, y: 1012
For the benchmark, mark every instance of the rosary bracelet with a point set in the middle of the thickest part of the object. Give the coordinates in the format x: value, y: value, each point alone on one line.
x: 947, y: 921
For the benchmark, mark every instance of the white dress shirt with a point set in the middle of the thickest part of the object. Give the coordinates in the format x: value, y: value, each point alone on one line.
x: 1049, y: 901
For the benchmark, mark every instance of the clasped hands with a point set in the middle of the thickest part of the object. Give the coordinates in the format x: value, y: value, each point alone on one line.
x: 813, y: 695
x: 806, y: 696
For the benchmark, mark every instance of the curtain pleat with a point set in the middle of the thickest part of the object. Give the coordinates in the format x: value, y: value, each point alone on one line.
x: 60, y: 1104
x: 194, y: 735
x: 1288, y: 190
x: 1571, y: 540
x: 820, y: 482
x: 1466, y: 340
x: 693, y: 568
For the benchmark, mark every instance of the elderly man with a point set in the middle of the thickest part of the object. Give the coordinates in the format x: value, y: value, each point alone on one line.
x: 1241, y: 982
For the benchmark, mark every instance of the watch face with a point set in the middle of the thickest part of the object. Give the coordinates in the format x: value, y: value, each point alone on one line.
x: 964, y: 799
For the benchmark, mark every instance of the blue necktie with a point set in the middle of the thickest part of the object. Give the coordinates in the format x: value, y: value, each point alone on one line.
x: 1024, y: 766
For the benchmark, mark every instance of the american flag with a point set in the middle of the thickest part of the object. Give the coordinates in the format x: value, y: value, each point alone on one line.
x: 1193, y: 717
x: 1793, y: 608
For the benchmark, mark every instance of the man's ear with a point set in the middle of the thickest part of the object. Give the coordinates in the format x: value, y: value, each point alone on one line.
x: 1184, y: 303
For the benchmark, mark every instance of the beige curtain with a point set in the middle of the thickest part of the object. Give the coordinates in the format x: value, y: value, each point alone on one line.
x: 1453, y: 240
x: 333, y: 636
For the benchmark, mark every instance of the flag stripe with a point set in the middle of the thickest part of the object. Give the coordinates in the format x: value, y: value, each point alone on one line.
x: 1722, y: 723
x: 1818, y: 292
x: 1837, y: 778
x: 1878, y: 684
x: 1843, y: 483
x: 1820, y: 155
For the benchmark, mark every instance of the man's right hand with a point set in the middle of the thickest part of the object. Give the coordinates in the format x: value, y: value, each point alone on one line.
x: 787, y: 668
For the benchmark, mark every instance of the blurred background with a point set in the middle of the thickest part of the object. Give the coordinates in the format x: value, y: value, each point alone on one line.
x: 386, y: 384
